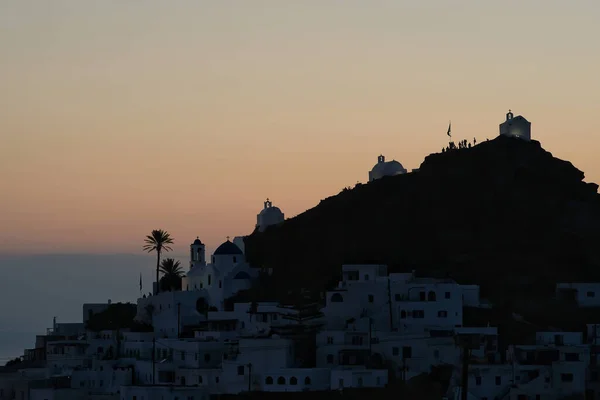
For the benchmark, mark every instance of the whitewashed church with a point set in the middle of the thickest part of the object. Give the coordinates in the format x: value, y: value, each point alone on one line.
x: 225, y: 275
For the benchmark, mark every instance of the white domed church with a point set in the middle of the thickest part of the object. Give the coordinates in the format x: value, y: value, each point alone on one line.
x: 225, y: 275
x: 385, y: 168
x: 268, y: 216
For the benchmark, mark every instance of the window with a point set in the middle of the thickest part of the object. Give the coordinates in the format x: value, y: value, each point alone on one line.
x: 240, y: 370
x: 220, y: 284
x: 442, y: 314
x: 566, y: 377
x: 182, y: 381
x: 341, y: 383
x: 207, y: 357
x: 269, y: 380
x: 200, y: 379
x: 498, y: 380
x: 422, y: 296
x: 307, y: 380
x: 402, y: 314
x: 329, y: 358
x: 395, y: 351
x: 431, y: 296
x: 360, y: 381
x: 209, y: 279
x: 478, y: 381
x: 591, y: 294
x: 418, y: 314
x: 182, y: 356
x: 447, y: 295
x: 397, y: 297
x: 406, y: 352
x: 234, y: 259
x: 293, y: 380
x: 281, y: 380
x: 371, y: 298
x: 217, y: 379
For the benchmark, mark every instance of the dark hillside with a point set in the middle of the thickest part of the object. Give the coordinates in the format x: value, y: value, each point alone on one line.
x: 504, y: 214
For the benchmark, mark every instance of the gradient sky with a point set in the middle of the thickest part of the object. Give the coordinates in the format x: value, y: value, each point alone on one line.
x: 121, y: 116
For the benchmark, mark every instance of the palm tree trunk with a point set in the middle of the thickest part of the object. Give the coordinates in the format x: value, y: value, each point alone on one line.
x: 157, y: 268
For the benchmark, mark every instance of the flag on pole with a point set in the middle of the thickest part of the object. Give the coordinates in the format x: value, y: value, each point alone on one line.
x: 449, y: 128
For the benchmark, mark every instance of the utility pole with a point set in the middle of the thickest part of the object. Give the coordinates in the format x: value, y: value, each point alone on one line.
x: 153, y: 360
x: 178, y: 320
x: 370, y: 338
x: 249, y: 377
x: 389, y: 290
x: 465, y: 373
x: 466, y: 343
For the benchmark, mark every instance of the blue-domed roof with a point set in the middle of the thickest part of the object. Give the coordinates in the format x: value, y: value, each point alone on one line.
x: 228, y: 248
x: 197, y: 241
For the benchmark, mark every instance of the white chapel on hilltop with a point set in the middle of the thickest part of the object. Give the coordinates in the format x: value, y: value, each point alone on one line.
x: 516, y: 127
x: 268, y: 216
x: 385, y: 168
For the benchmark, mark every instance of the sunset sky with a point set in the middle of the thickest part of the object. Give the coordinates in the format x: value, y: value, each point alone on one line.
x: 121, y: 116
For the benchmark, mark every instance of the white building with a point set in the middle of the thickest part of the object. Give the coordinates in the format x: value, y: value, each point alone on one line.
x: 224, y: 276
x: 269, y: 216
x: 583, y: 294
x: 516, y: 127
x: 385, y: 168
x: 399, y: 302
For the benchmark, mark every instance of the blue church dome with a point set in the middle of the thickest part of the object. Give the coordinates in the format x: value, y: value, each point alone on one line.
x: 228, y: 248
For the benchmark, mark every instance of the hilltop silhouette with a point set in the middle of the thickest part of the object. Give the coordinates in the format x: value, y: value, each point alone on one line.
x: 504, y: 214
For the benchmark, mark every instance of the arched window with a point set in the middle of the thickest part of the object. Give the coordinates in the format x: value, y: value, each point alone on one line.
x: 402, y: 314
x: 336, y: 298
x: 281, y: 380
x: 431, y: 296
x: 307, y: 380
x: 269, y: 380
x: 242, y: 275
x: 293, y: 380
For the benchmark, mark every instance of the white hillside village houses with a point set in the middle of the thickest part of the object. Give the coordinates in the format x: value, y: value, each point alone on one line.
x: 372, y: 328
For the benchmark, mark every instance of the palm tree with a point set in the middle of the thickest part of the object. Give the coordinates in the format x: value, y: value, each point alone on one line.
x: 158, y: 241
x: 171, y: 268
x: 172, y: 274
